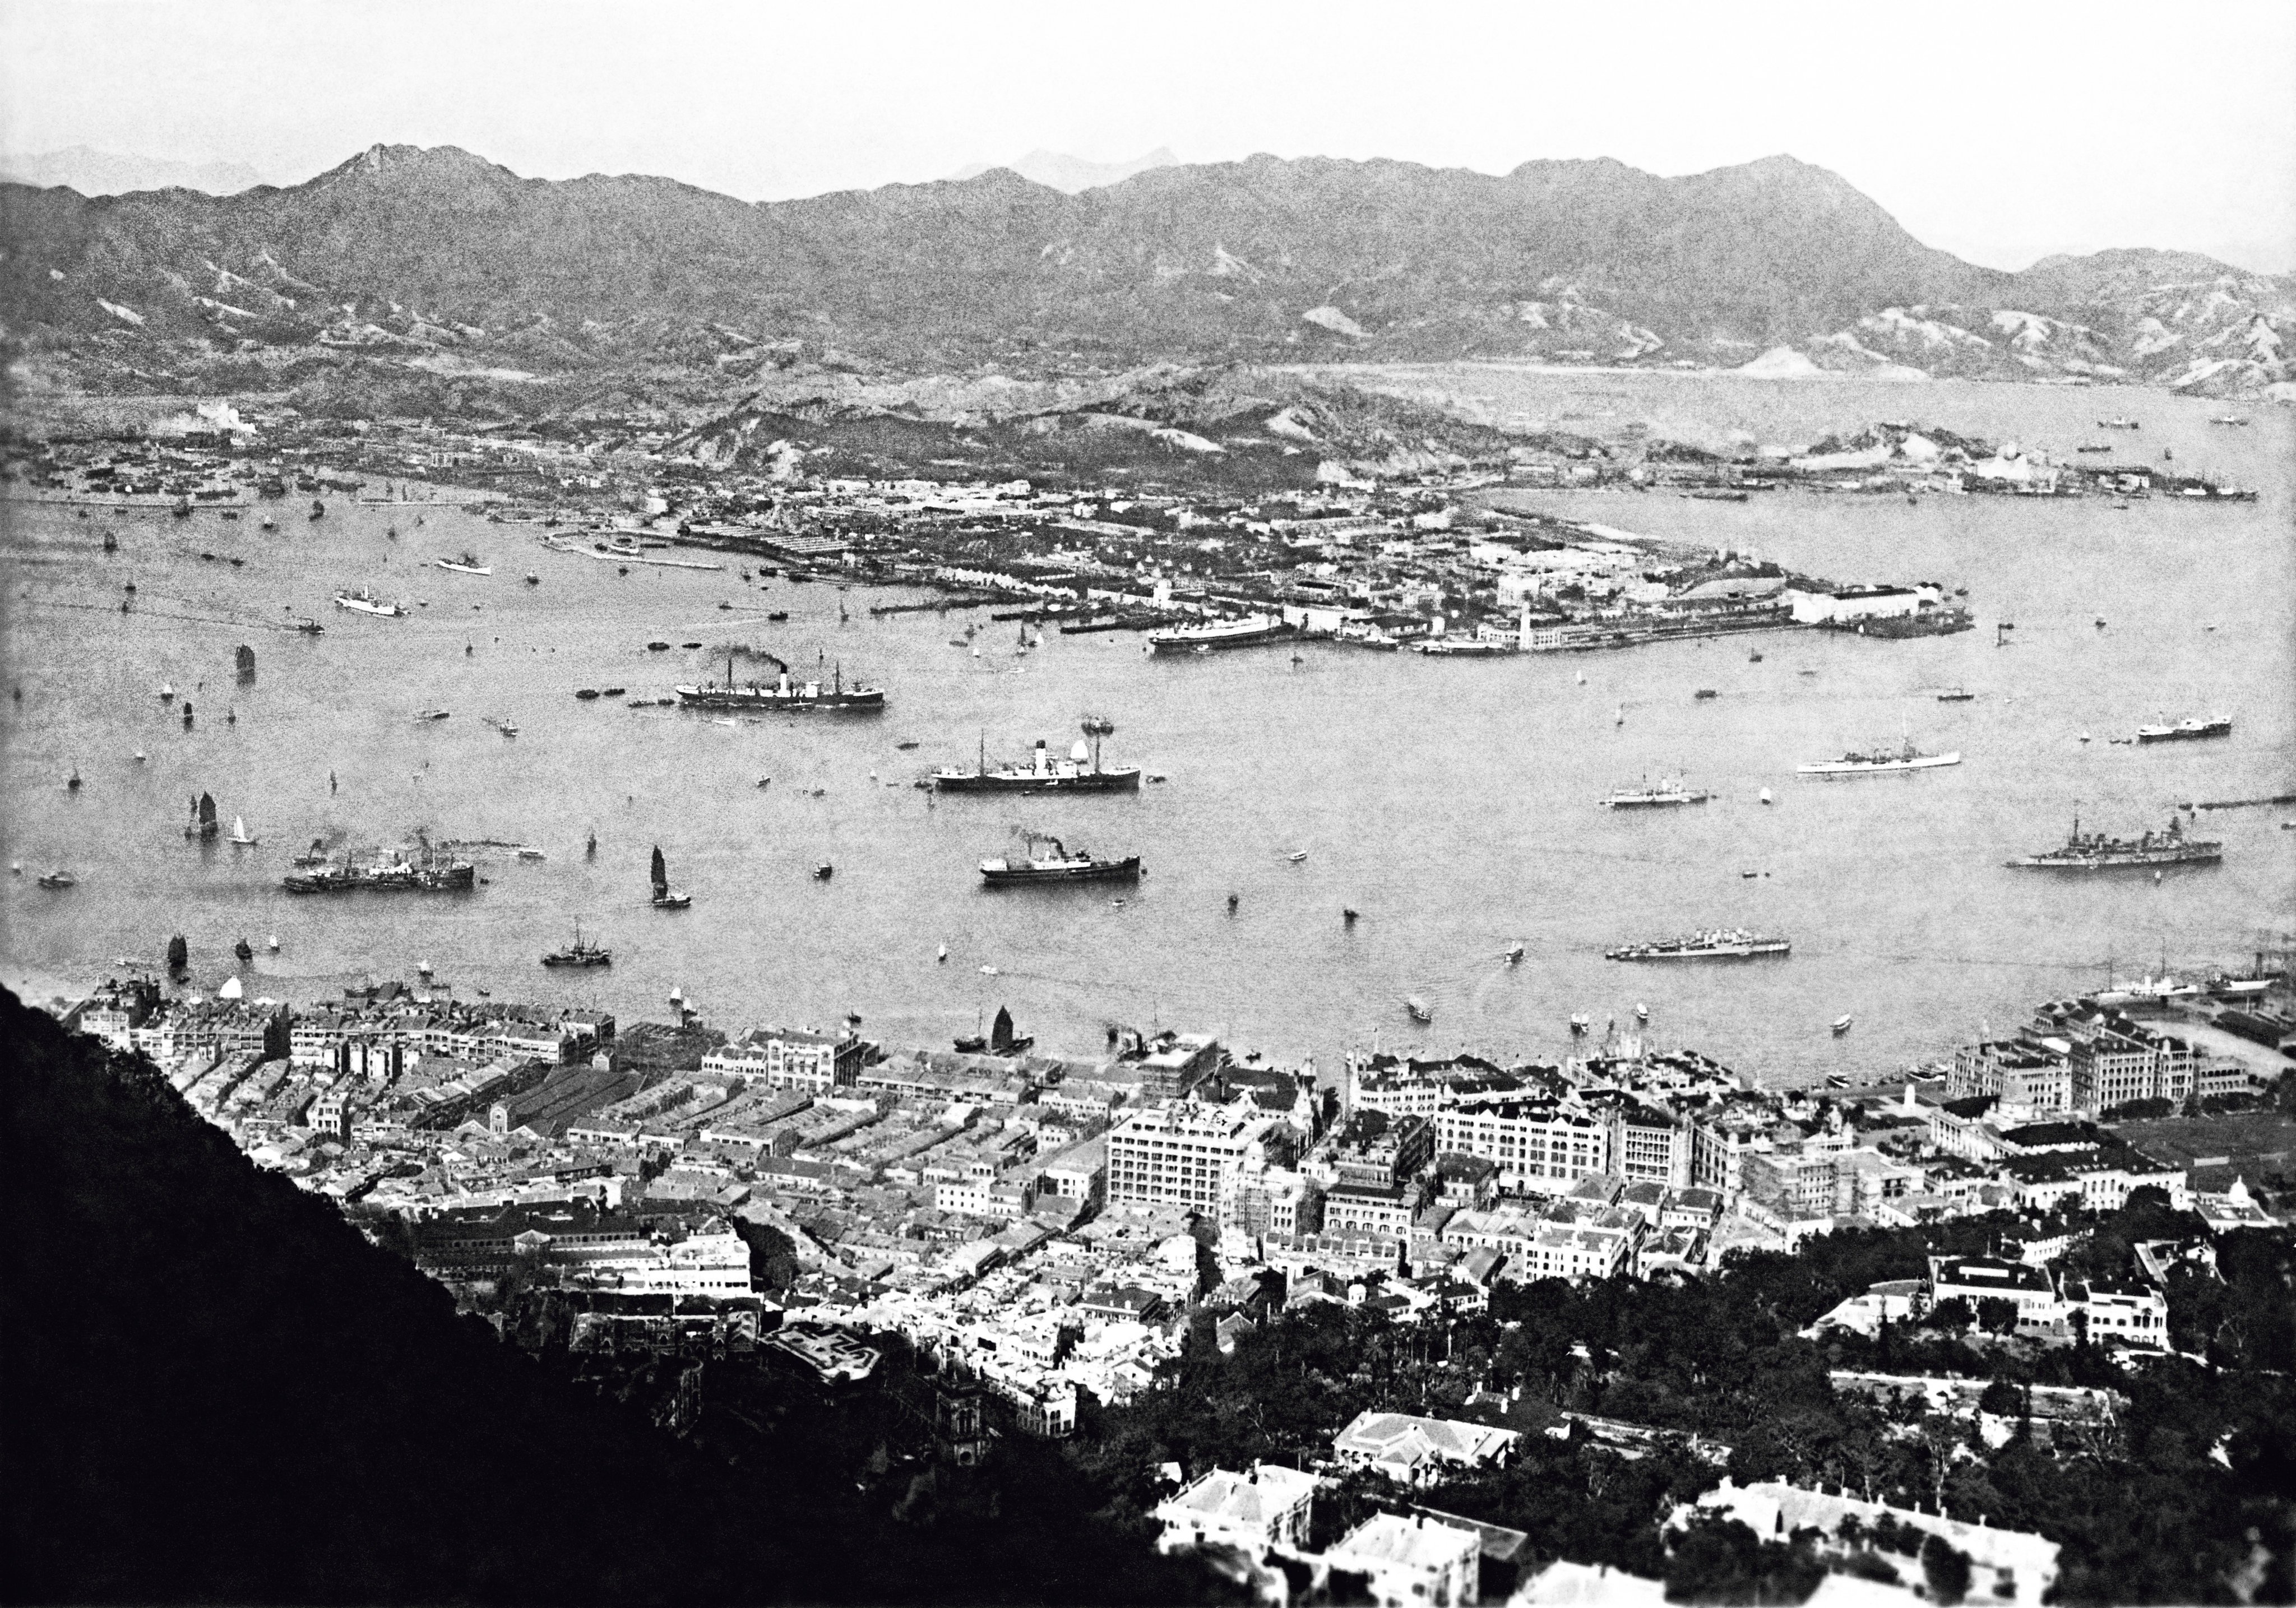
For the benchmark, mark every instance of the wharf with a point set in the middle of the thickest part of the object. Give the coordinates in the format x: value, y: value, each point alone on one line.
x: 560, y: 545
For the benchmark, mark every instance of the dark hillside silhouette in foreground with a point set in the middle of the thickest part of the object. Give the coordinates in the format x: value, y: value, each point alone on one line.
x: 217, y: 1390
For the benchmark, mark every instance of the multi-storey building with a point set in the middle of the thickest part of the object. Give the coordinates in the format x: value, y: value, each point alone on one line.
x: 1180, y: 1155
x: 2018, y: 1074
x: 114, y: 1011
x: 1646, y: 1144
x: 1374, y: 1151
x: 1794, y: 1184
x: 1542, y: 1146
x: 787, y: 1058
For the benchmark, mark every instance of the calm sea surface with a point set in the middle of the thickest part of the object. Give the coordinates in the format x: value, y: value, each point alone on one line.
x: 1452, y: 803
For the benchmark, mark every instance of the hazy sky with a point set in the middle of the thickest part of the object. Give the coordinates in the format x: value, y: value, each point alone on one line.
x: 2002, y: 131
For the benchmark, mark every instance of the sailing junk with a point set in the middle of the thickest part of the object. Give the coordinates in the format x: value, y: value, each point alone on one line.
x: 663, y: 899
x: 1001, y: 1041
x: 203, y: 824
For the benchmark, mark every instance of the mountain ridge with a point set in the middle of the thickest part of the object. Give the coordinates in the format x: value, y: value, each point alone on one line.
x: 401, y: 249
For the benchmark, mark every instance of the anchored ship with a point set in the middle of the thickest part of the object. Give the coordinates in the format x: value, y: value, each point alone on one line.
x: 579, y: 953
x: 784, y: 695
x: 1729, y: 943
x: 1080, y: 772
x: 1904, y: 757
x: 1669, y: 790
x: 1059, y: 865
x: 364, y: 601
x: 1249, y: 632
x: 392, y: 870
x: 468, y: 564
x: 2184, y: 731
x: 2094, y: 851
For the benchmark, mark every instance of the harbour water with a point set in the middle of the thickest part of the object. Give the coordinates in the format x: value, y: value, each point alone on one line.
x: 1453, y: 803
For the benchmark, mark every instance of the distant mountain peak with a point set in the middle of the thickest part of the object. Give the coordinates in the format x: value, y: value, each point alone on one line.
x: 93, y: 172
x: 1072, y: 174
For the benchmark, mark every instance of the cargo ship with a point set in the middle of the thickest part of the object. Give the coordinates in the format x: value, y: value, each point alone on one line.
x: 1670, y: 791
x: 1080, y: 772
x: 1059, y: 865
x: 1246, y: 633
x: 1729, y: 943
x: 2094, y: 851
x: 1853, y: 764
x: 386, y: 872
x: 2184, y: 731
x: 784, y: 695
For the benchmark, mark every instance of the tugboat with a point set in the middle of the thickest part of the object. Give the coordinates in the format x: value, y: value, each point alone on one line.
x: 1670, y: 791
x: 202, y: 824
x: 1060, y: 866
x: 663, y: 899
x: 2094, y: 851
x: 1878, y: 760
x: 1080, y: 772
x: 578, y: 953
x: 784, y: 694
x: 2186, y: 731
x: 1729, y: 943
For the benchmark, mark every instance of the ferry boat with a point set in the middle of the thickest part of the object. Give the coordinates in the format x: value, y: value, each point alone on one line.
x: 2095, y: 851
x: 1728, y: 943
x: 1060, y: 866
x: 468, y: 564
x: 1080, y: 772
x: 364, y: 601
x: 2186, y: 731
x: 394, y: 871
x: 579, y: 953
x: 784, y: 695
x: 1901, y: 758
x: 1248, y: 632
x: 1670, y: 791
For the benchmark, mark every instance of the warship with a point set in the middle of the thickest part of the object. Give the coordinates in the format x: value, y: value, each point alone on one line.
x: 2095, y: 851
